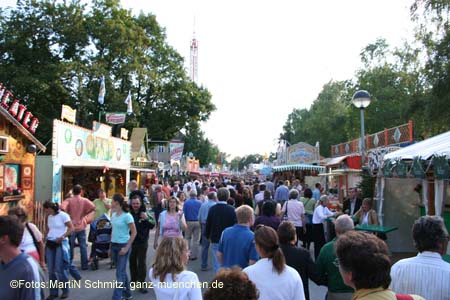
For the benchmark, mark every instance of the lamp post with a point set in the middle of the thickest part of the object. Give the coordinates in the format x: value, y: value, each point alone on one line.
x: 361, y: 99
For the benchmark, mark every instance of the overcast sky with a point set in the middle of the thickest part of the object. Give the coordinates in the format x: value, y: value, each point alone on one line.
x: 261, y: 59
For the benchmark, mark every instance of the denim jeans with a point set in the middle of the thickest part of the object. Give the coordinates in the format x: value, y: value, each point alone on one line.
x: 205, y: 247
x: 215, y: 248
x: 81, y: 237
x: 58, y: 263
x: 121, y: 271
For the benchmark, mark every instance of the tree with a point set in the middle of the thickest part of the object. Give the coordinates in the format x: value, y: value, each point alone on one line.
x: 55, y: 53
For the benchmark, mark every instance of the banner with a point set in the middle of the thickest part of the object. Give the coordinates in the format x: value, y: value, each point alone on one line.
x: 101, y: 92
x: 417, y: 168
x: 440, y: 167
x: 68, y: 113
x: 176, y: 150
x: 115, y: 118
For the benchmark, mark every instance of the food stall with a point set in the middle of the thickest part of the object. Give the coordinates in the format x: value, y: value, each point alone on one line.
x: 92, y: 158
x: 18, y: 148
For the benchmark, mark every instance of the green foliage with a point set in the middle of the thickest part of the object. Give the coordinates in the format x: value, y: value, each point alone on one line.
x: 404, y: 86
x: 200, y: 146
x: 55, y: 53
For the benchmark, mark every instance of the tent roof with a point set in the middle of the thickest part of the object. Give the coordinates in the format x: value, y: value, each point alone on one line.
x: 298, y: 167
x: 437, y: 145
x: 336, y: 160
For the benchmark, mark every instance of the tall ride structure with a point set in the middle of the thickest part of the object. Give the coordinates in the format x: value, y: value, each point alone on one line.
x: 194, y: 59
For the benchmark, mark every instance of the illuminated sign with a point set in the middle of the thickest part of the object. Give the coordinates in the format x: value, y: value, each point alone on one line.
x: 17, y: 110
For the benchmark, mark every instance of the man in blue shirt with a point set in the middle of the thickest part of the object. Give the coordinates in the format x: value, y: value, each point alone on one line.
x: 190, y: 209
x: 220, y: 216
x: 237, y: 244
x: 202, y: 216
x: 281, y: 193
x: 16, y: 266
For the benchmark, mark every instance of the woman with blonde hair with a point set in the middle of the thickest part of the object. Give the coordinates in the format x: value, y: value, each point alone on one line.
x: 366, y: 215
x: 171, y: 221
x: 273, y: 278
x: 171, y: 280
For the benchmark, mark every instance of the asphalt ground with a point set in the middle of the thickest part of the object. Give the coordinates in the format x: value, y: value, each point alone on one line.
x: 94, y: 284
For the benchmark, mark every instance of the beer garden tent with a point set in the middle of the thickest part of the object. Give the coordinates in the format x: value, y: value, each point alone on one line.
x: 433, y: 152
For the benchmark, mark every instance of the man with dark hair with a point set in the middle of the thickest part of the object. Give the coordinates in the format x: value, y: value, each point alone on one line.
x: 317, y: 191
x: 364, y: 265
x: 281, y: 193
x: 426, y: 274
x: 190, y: 209
x: 19, y: 273
x: 220, y: 216
x: 353, y: 203
x: 327, y: 263
x: 202, y: 216
x: 78, y: 208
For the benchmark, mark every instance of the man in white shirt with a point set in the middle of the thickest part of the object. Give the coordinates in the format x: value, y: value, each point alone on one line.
x: 426, y: 274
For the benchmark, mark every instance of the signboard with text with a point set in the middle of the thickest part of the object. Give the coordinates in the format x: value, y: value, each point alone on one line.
x: 301, y: 153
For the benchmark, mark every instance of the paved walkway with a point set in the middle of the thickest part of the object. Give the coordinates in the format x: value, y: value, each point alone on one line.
x: 104, y: 275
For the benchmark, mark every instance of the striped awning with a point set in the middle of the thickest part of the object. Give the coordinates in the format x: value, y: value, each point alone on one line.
x: 298, y: 167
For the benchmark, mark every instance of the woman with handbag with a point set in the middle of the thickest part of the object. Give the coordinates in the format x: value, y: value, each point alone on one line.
x: 171, y: 222
x: 57, y: 249
x: 294, y: 211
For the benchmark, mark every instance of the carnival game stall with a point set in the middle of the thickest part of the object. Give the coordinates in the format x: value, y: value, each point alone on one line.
x: 18, y: 148
x: 92, y: 158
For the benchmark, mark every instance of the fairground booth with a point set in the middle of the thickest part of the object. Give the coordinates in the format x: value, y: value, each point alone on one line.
x: 93, y: 158
x: 300, y: 162
x: 415, y: 181
x: 18, y: 148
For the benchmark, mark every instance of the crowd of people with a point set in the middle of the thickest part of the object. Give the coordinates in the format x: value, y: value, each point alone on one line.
x: 259, y: 234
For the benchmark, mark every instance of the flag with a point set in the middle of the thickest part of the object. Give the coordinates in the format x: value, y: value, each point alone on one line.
x: 68, y: 113
x: 129, y: 104
x: 101, y: 93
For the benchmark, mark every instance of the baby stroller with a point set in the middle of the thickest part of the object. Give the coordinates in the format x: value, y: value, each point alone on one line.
x: 100, y: 237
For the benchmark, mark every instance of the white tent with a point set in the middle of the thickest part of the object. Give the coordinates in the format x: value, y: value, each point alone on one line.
x: 437, y: 145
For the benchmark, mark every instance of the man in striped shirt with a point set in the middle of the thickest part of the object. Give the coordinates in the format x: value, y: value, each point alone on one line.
x: 426, y: 274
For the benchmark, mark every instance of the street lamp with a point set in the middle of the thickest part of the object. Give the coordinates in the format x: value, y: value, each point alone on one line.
x: 361, y: 99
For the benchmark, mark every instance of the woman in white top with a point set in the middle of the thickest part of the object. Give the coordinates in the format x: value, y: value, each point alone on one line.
x: 57, y: 248
x: 321, y: 213
x: 170, y: 279
x: 296, y: 214
x: 273, y: 278
x: 32, y: 242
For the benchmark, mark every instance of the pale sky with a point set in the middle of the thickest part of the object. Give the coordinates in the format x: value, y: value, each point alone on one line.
x: 261, y: 59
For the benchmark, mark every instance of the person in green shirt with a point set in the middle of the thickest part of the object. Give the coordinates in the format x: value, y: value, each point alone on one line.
x: 327, y: 265
x: 102, y: 204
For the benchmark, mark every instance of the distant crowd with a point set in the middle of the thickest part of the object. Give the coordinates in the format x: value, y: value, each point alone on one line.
x: 260, y: 235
